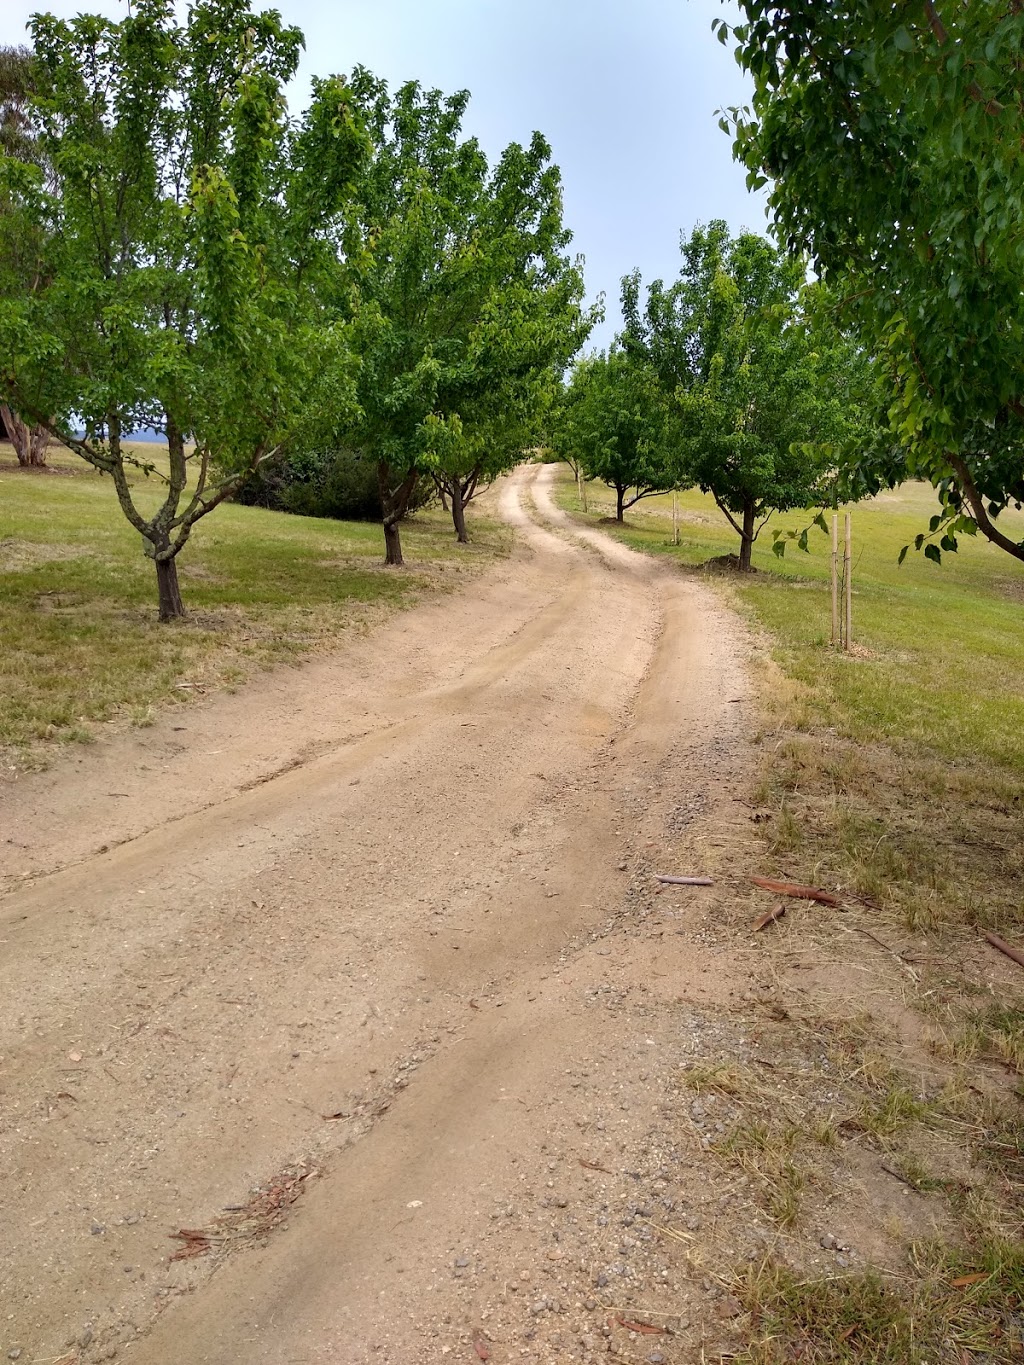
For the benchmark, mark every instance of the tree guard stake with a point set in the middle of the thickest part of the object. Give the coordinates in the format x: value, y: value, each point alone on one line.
x: 835, y: 579
x: 848, y: 581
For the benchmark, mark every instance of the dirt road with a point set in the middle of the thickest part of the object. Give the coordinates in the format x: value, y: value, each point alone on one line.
x: 360, y: 976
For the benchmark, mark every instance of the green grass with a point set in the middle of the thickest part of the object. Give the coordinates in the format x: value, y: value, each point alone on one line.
x: 943, y: 660
x: 896, y: 770
x: 953, y: 1305
x: 79, y: 638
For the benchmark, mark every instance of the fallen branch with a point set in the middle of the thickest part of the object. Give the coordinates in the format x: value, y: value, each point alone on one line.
x: 770, y: 917
x: 798, y: 892
x: 683, y: 881
x: 642, y: 1328
x: 1016, y: 953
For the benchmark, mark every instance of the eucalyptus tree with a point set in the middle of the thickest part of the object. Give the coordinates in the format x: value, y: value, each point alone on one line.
x: 464, y: 299
x: 16, y: 246
x: 183, y: 227
x: 889, y: 138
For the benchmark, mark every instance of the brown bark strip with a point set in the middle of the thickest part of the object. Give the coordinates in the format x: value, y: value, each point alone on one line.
x: 1016, y: 953
x: 770, y: 917
x: 797, y: 891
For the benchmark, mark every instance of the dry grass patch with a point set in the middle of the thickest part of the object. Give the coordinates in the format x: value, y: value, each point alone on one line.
x: 79, y: 641
x: 960, y: 1306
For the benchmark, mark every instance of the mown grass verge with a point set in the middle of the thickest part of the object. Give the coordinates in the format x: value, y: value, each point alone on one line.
x: 79, y: 640
x: 895, y: 774
x: 896, y: 770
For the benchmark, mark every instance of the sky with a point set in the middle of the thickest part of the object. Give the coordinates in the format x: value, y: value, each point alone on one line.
x: 626, y: 92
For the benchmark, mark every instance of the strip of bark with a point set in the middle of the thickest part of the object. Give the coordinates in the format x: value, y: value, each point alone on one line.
x: 1016, y: 953
x: 770, y: 917
x: 797, y: 891
x: 683, y: 881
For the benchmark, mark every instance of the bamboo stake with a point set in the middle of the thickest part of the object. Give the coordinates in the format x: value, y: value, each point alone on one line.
x: 835, y: 579
x: 848, y: 580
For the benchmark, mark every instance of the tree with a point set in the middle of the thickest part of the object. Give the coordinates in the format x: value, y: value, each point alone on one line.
x: 466, y: 297
x: 182, y: 241
x: 17, y: 140
x: 766, y: 389
x: 890, y: 137
x: 614, y: 422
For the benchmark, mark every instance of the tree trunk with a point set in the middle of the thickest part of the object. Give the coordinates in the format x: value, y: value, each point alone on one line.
x: 29, y: 443
x: 620, y: 497
x: 394, y: 504
x: 392, y: 544
x: 38, y: 446
x: 459, y: 512
x: 747, y: 536
x: 167, y: 587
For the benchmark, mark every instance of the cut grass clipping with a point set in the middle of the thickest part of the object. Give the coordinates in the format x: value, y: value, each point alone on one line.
x: 79, y: 638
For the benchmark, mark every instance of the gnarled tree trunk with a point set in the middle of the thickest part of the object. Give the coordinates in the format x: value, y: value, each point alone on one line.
x: 30, y: 443
x: 394, y: 505
x: 171, y: 606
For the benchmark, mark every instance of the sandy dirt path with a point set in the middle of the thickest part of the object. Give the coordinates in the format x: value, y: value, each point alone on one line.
x: 361, y: 972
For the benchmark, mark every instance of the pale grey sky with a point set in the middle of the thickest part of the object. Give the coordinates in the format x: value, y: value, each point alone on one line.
x: 626, y: 93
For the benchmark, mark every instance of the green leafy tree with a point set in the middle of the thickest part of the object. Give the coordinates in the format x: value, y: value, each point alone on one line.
x: 18, y: 250
x: 184, y: 227
x: 890, y: 138
x: 466, y: 298
x: 613, y: 422
x: 767, y: 391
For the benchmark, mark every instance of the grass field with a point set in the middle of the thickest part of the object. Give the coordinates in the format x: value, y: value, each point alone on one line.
x: 897, y: 773
x: 79, y: 640
x: 897, y: 769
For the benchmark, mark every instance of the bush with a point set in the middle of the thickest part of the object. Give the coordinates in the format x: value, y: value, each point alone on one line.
x: 339, y: 484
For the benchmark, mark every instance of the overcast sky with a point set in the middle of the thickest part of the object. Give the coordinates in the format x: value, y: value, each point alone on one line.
x: 624, y: 90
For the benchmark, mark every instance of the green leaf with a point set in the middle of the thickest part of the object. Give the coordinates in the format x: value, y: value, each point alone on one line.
x: 933, y: 553
x: 903, y: 554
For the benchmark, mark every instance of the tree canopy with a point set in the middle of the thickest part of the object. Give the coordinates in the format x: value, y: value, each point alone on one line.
x: 463, y: 303
x: 180, y: 228
x: 613, y: 421
x: 890, y: 141
x: 765, y: 390
x: 19, y: 245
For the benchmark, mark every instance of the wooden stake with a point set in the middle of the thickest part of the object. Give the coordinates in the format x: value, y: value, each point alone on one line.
x: 848, y: 581
x: 675, y: 516
x: 835, y: 579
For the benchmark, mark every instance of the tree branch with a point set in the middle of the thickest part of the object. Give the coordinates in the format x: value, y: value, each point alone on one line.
x: 732, y: 521
x: 959, y: 466
x: 992, y: 106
